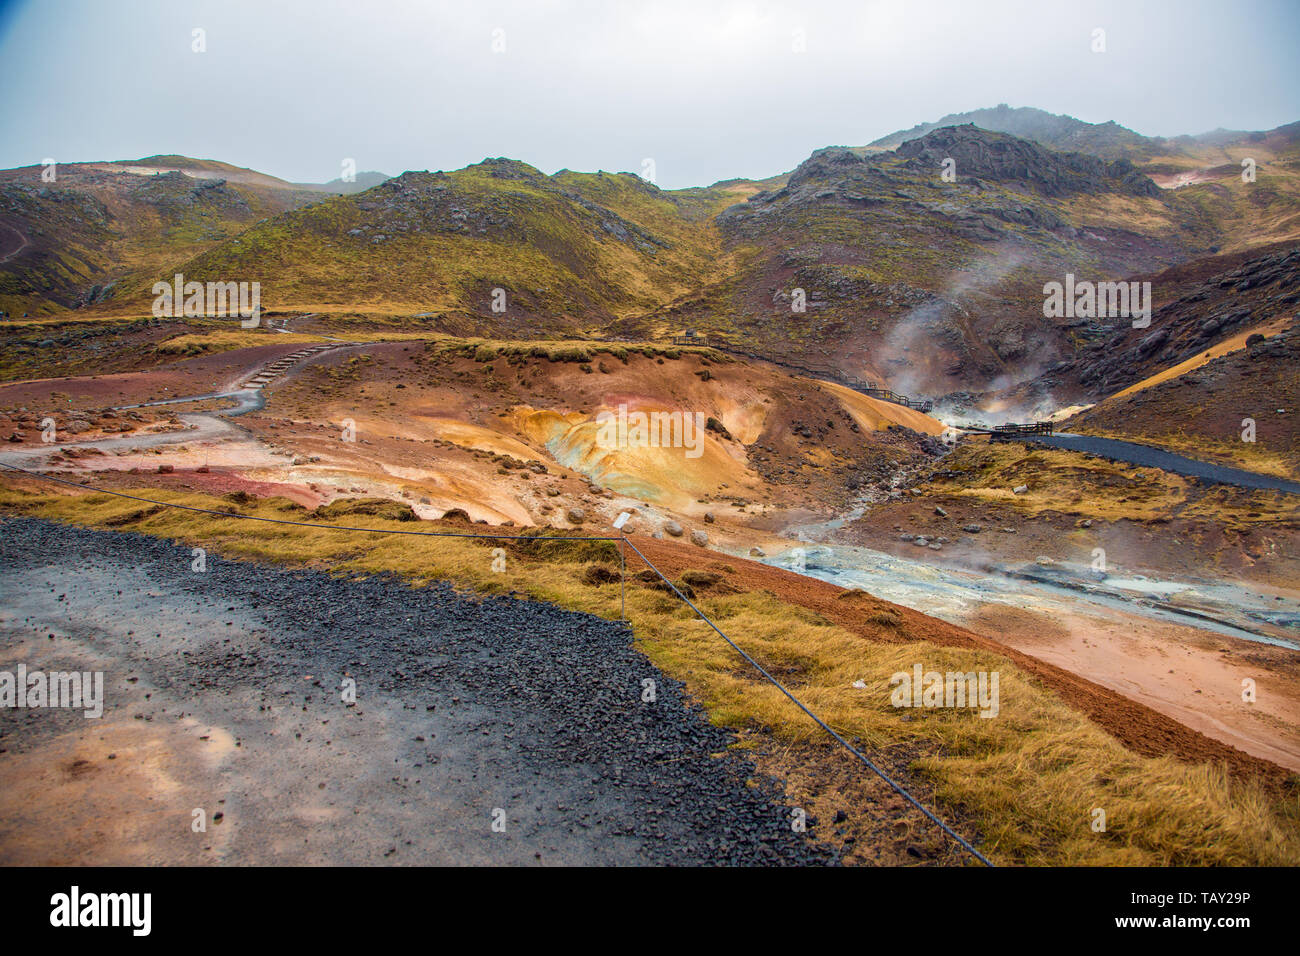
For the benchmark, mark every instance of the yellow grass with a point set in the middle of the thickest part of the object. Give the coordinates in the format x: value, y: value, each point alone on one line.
x: 1028, y: 780
x: 1072, y: 482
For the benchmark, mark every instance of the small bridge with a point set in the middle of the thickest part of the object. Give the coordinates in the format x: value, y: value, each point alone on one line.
x: 1011, y: 431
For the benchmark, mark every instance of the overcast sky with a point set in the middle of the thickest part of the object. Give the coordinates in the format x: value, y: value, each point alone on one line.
x: 708, y: 90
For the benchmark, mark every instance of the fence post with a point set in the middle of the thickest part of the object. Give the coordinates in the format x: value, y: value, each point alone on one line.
x: 622, y: 578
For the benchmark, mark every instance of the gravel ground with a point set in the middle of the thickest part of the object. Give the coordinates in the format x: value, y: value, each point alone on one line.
x: 1147, y: 457
x: 223, y: 692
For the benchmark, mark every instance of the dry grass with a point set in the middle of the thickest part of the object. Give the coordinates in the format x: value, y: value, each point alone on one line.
x: 1027, y: 781
x: 1072, y: 482
x: 564, y: 350
x: 224, y: 340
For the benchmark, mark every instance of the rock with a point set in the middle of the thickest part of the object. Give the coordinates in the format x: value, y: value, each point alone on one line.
x: 1085, y: 523
x: 1019, y: 489
x: 984, y: 155
x: 1044, y: 560
x: 940, y: 512
x: 972, y: 528
x: 935, y: 546
x: 1008, y: 530
x: 15, y: 437
x: 757, y: 553
x: 673, y: 528
x: 166, y: 469
x: 699, y: 538
x: 576, y: 515
x: 708, y: 517
x: 920, y: 541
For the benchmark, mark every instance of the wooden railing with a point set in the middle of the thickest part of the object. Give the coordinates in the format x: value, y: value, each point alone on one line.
x: 1036, y: 428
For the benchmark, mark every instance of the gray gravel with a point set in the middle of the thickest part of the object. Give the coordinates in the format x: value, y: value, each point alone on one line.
x: 464, y: 705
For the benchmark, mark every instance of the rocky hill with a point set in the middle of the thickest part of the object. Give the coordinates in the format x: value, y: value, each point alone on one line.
x: 1108, y: 140
x: 920, y: 268
x: 568, y: 252
x: 77, y: 240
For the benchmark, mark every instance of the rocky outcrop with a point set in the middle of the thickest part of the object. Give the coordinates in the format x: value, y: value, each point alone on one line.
x: 980, y: 154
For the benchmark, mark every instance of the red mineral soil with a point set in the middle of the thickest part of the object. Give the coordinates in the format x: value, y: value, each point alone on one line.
x: 202, y: 375
x: 516, y: 442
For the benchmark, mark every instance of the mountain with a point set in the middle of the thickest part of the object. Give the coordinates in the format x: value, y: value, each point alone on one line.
x: 573, y: 251
x: 920, y: 268
x: 917, y: 282
x: 76, y: 240
x: 1108, y: 140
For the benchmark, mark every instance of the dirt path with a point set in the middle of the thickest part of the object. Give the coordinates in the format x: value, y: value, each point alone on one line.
x: 223, y: 693
x: 23, y: 242
x: 202, y: 426
x: 1147, y: 456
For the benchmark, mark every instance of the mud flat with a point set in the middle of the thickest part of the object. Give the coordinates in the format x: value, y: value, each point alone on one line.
x: 1181, y: 648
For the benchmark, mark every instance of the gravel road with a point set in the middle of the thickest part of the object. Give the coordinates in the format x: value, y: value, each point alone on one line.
x: 1147, y: 457
x: 223, y: 692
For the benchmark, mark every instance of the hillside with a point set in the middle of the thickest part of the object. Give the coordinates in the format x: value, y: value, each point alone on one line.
x: 100, y: 227
x: 1209, y: 302
x: 1238, y: 407
x: 926, y: 283
x: 570, y: 252
x: 1108, y: 140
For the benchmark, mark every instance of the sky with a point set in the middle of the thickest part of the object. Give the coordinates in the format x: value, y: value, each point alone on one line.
x: 687, y: 93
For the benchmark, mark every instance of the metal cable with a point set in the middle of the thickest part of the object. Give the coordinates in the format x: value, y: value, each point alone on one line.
x: 821, y: 723
x: 898, y: 788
